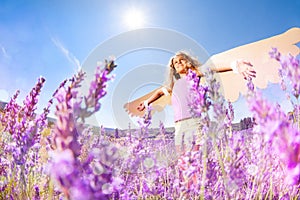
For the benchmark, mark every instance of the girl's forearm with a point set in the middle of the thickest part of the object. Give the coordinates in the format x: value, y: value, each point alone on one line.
x: 218, y: 63
x: 155, y: 96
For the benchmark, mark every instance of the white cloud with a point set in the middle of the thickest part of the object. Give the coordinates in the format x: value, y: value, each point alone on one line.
x: 4, y: 52
x: 67, y: 53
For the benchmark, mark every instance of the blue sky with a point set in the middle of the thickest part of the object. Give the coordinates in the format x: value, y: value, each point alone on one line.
x: 53, y: 38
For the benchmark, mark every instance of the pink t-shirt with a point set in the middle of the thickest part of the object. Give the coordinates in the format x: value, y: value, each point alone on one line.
x: 180, y: 99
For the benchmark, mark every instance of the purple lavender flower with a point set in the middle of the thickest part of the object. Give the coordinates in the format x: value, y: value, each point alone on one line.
x: 289, y: 71
x: 23, y: 142
x: 275, y: 54
x: 274, y: 124
x: 26, y: 125
x: 229, y: 115
x: 97, y: 91
x: 29, y: 104
x: 199, y: 96
x: 37, y: 193
x: 10, y: 114
x: 76, y: 178
x: 145, y: 122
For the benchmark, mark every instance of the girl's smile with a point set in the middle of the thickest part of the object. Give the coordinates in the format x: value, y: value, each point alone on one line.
x: 180, y: 65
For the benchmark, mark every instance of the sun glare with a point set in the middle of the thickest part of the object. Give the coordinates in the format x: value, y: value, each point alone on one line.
x: 4, y: 95
x: 134, y: 18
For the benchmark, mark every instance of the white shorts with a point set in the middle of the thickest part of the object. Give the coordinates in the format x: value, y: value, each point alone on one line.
x: 187, y: 131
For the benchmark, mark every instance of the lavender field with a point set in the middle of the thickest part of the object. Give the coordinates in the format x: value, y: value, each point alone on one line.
x: 71, y: 161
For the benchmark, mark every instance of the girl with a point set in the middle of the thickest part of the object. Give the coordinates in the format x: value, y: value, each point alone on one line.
x: 177, y: 87
x: 257, y: 52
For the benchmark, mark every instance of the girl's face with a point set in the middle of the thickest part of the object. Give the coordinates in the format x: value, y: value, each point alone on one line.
x: 180, y: 65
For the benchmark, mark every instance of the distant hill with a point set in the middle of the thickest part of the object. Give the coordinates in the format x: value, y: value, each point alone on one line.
x: 153, y: 132
x: 2, y: 105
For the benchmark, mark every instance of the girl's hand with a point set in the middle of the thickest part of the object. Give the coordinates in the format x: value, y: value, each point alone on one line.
x: 141, y: 107
x: 245, y: 68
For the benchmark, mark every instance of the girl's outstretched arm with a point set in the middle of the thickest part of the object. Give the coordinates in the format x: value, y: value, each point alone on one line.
x: 240, y: 66
x: 158, y: 99
x: 155, y: 96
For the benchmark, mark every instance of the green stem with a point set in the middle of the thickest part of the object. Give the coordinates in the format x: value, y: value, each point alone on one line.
x: 50, y: 190
x: 298, y: 115
x: 220, y: 162
x: 204, y: 161
x: 23, y: 183
x: 271, y: 188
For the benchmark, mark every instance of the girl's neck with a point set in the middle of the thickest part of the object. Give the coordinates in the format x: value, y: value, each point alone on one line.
x: 182, y: 75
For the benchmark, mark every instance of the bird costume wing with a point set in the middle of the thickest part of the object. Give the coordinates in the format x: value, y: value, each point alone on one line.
x: 258, y: 54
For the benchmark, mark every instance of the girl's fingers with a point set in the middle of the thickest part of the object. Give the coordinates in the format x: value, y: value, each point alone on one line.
x: 247, y: 63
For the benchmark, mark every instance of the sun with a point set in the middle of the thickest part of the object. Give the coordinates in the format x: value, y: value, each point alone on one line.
x: 134, y: 18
